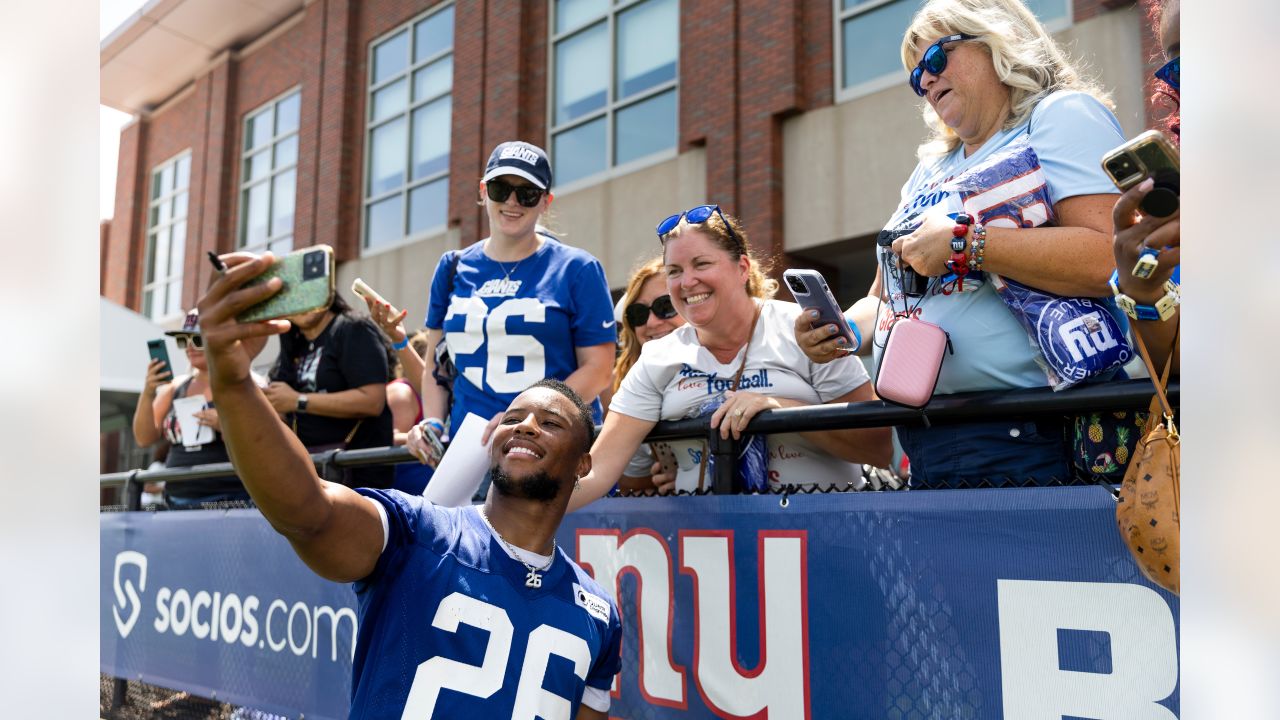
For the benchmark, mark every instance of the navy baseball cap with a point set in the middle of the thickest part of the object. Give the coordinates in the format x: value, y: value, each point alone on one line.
x: 519, y: 158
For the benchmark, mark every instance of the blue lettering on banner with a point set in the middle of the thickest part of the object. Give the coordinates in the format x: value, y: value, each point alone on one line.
x: 1004, y: 604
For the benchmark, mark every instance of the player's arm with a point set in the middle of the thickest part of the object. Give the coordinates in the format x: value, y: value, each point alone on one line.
x: 595, y: 370
x: 335, y: 531
x: 585, y: 712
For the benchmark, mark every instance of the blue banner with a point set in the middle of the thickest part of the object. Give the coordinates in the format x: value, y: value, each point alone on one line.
x: 951, y: 604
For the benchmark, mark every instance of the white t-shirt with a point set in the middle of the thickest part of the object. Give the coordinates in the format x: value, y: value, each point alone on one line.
x: 676, y: 378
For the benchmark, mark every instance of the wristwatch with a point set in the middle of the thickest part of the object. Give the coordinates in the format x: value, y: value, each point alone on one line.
x: 302, y: 404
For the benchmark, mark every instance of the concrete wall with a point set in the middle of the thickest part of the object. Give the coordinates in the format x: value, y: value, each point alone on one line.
x: 844, y: 165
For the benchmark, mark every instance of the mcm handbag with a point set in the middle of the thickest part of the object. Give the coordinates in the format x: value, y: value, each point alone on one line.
x: 1147, y: 511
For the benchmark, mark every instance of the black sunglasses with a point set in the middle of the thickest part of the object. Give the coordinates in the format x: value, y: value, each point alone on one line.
x: 195, y: 341
x: 696, y: 215
x: 527, y: 195
x: 637, y: 313
x: 1170, y: 71
x: 934, y: 60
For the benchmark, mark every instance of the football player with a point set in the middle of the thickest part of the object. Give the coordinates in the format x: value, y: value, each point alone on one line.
x: 420, y: 571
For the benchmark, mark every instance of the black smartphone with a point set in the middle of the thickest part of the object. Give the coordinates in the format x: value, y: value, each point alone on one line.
x: 159, y: 351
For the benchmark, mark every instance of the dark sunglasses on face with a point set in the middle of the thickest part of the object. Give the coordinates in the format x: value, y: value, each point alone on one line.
x: 637, y: 313
x: 934, y: 60
x: 195, y: 341
x: 1169, y: 73
x: 695, y: 216
x: 527, y: 195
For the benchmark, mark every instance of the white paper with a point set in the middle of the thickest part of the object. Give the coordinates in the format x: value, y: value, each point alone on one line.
x: 463, y: 466
x: 193, y: 433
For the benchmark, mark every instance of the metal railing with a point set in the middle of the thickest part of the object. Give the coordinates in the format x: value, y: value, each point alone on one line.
x: 942, y: 410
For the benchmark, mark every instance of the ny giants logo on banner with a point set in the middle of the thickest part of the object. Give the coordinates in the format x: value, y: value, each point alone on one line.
x: 779, y: 684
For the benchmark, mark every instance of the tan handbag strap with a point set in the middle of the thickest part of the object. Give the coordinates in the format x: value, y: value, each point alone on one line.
x: 737, y: 377
x: 1161, y: 379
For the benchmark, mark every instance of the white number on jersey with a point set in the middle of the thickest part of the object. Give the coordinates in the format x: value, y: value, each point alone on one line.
x: 532, y: 701
x: 482, y: 324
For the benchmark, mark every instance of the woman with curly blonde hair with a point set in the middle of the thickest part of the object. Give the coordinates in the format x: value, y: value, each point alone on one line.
x: 1008, y: 186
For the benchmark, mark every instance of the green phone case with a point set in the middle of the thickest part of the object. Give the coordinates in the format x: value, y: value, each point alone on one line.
x: 298, y: 295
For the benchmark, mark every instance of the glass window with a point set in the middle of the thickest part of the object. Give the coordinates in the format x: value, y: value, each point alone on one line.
x: 390, y: 57
x: 645, y: 128
x: 647, y: 47
x: 409, y: 130
x: 571, y: 14
x: 614, y: 83
x: 579, y: 152
x: 582, y: 78
x: 166, y: 238
x: 268, y: 185
x: 870, y: 38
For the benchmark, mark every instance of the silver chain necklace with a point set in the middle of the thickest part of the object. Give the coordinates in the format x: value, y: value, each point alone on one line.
x: 533, y: 579
x: 513, y: 268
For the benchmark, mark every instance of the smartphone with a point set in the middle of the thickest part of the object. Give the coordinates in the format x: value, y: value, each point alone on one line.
x: 666, y: 458
x: 361, y: 288
x: 309, y: 284
x: 159, y: 352
x: 810, y: 290
x: 1149, y: 155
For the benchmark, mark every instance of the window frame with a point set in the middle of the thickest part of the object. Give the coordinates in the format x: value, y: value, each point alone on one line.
x: 148, y: 249
x: 874, y: 85
x: 612, y: 105
x: 269, y: 178
x: 367, y: 200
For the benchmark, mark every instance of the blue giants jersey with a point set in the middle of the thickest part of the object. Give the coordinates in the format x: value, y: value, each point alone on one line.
x: 509, y: 325
x: 449, y: 630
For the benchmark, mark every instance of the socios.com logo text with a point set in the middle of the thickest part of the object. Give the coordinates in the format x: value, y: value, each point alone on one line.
x: 227, y: 617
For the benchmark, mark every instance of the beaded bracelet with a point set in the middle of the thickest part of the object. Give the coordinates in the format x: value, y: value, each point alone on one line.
x: 957, y: 263
x: 977, y: 247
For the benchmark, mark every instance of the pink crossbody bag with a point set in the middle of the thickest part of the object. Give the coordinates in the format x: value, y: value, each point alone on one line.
x: 911, y: 362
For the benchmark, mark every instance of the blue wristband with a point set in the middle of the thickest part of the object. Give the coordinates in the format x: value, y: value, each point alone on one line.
x: 857, y: 336
x: 402, y: 344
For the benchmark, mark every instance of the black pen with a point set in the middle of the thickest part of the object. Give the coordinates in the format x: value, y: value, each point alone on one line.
x: 218, y: 265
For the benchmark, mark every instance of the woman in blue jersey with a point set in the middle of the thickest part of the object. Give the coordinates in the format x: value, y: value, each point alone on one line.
x: 515, y: 308
x: 1011, y: 116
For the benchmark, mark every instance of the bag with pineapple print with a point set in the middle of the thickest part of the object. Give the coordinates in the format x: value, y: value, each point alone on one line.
x: 1104, y: 442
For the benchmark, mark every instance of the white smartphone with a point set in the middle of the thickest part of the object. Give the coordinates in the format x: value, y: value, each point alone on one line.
x: 810, y: 290
x: 361, y: 288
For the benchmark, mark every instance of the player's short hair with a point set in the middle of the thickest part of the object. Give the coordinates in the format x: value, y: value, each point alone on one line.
x: 584, y: 411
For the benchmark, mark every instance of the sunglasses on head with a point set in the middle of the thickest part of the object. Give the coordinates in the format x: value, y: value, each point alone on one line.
x: 194, y: 341
x: 934, y: 60
x: 527, y: 195
x: 695, y: 216
x: 637, y: 313
x: 1169, y: 73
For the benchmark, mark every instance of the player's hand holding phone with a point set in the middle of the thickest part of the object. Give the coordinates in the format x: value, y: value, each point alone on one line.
x: 229, y: 361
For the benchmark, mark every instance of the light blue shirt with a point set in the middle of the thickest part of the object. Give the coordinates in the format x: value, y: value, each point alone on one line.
x: 1069, y: 132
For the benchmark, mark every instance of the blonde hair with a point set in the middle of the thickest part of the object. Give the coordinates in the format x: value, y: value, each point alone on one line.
x: 1026, y: 59
x: 628, y: 343
x: 758, y: 285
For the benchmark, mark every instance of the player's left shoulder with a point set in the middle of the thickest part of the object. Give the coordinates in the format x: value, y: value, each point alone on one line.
x: 588, y: 595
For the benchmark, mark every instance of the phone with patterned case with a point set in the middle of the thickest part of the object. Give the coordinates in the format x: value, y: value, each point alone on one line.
x: 309, y: 284
x: 666, y: 458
